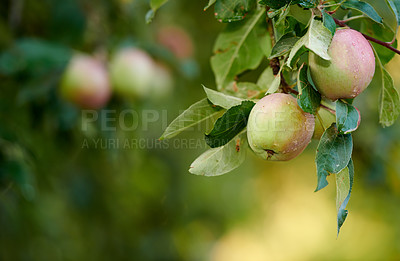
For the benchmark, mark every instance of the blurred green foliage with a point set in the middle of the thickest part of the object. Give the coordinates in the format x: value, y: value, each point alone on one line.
x: 60, y: 200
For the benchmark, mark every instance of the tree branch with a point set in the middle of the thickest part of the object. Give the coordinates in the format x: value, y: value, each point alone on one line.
x: 384, y: 44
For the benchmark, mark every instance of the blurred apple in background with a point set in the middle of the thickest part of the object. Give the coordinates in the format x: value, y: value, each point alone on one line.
x: 135, y: 74
x: 85, y: 82
x: 177, y: 40
x: 132, y: 72
x: 162, y: 82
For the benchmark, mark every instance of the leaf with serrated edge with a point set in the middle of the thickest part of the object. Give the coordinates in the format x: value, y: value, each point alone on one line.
x: 221, y: 99
x: 237, y: 49
x: 347, y: 117
x: 389, y: 103
x: 364, y: 8
x: 221, y: 160
x: 195, y: 114
x: 344, y: 185
x: 317, y: 39
x: 229, y: 125
x: 333, y: 154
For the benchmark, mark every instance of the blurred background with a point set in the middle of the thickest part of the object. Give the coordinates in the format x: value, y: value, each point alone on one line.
x: 71, y: 189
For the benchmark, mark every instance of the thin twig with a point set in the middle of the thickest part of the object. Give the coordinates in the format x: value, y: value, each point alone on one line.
x: 384, y: 44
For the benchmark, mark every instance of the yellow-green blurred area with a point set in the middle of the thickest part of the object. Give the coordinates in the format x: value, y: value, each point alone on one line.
x: 68, y: 192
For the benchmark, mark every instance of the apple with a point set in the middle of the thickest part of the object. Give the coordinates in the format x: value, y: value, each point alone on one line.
x: 278, y: 129
x: 350, y: 70
x: 85, y: 82
x: 162, y: 84
x: 323, y: 121
x: 176, y: 40
x: 132, y: 73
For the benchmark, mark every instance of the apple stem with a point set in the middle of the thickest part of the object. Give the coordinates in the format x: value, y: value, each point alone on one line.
x: 384, y: 44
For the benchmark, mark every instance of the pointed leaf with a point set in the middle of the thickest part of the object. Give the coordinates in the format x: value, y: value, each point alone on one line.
x: 348, y: 117
x: 221, y: 160
x: 329, y: 22
x: 237, y: 49
x: 283, y: 46
x: 389, y: 102
x: 221, y: 99
x: 333, y: 154
x: 195, y: 114
x: 317, y: 39
x: 364, y: 8
x: 210, y: 3
x: 154, y: 5
x: 344, y: 184
x: 395, y: 5
x: 245, y: 90
x: 389, y: 107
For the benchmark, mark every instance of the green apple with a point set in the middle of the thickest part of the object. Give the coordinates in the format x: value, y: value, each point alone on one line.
x: 350, y: 70
x: 162, y: 84
x: 278, y: 129
x: 85, y: 82
x: 323, y: 121
x: 132, y: 73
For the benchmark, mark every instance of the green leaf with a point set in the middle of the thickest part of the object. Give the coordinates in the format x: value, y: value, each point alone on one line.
x: 329, y: 22
x: 265, y: 79
x: 395, y: 5
x: 210, y: 3
x: 344, y: 185
x: 275, y: 4
x: 154, y: 5
x: 229, y: 125
x: 364, y: 8
x: 389, y: 107
x: 301, y: 15
x: 389, y: 100
x: 317, y: 39
x: 284, y: 45
x: 333, y: 154
x: 310, y: 80
x: 221, y: 99
x: 34, y: 57
x: 237, y: 49
x: 384, y: 10
x: 195, y: 114
x: 307, y: 3
x: 268, y: 81
x: 275, y: 83
x: 221, y: 160
x: 308, y: 99
x: 284, y: 11
x: 232, y: 10
x: 245, y: 90
x: 384, y: 34
x: 348, y: 117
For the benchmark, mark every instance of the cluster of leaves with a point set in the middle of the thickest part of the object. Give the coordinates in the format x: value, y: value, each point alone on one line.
x: 283, y: 32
